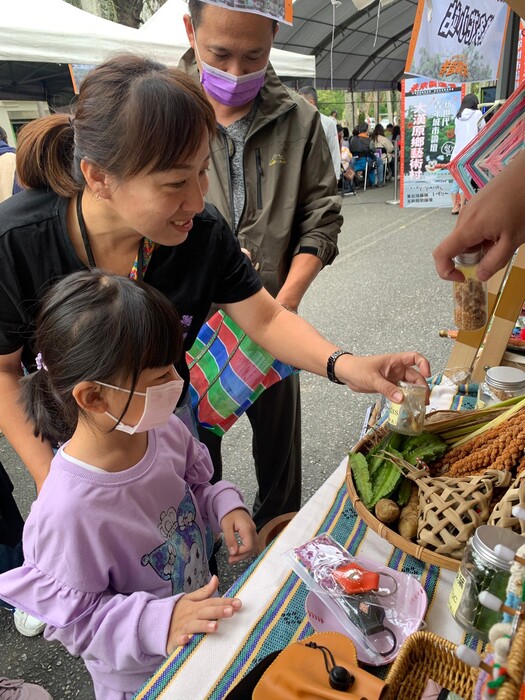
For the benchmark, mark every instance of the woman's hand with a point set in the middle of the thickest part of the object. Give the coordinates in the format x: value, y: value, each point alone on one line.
x: 199, y: 613
x: 237, y: 525
x: 380, y: 373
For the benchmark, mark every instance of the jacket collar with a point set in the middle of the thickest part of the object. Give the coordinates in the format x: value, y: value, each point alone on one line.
x: 273, y: 100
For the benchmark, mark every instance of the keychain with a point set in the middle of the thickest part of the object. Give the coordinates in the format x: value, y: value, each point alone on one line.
x: 354, y: 588
x: 368, y: 616
x: 353, y: 578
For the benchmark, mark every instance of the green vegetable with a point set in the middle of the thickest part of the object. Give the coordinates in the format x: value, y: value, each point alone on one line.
x: 391, y: 442
x: 377, y: 477
x: 426, y: 447
x: 385, y: 479
x: 403, y: 492
x: 361, y: 476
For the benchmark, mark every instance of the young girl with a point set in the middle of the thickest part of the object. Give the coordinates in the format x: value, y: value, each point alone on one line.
x: 115, y: 554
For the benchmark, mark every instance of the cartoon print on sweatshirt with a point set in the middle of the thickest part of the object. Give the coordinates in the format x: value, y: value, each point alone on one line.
x: 181, y: 558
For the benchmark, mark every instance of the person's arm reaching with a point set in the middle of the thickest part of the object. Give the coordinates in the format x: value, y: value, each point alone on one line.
x: 294, y: 341
x: 303, y: 270
x: 35, y: 453
x: 494, y: 218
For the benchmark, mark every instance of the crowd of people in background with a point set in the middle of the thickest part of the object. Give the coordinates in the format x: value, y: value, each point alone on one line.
x: 366, y: 154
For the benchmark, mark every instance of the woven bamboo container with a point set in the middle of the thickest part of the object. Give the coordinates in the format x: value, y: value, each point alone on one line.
x: 424, y: 655
x: 512, y: 688
x: 502, y: 513
x: 444, y: 505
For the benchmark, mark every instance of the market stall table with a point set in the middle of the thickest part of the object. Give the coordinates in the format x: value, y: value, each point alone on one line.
x: 273, y: 598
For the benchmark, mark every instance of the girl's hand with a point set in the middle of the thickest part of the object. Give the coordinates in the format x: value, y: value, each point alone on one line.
x: 380, y: 373
x: 197, y: 613
x: 237, y: 524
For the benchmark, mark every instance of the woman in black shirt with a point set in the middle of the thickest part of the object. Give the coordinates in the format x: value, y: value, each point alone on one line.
x: 121, y: 186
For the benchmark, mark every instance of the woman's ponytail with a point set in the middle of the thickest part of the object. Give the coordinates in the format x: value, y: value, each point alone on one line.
x: 52, y: 420
x: 44, y: 156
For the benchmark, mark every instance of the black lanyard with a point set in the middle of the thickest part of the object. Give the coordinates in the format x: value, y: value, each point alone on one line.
x: 89, y: 250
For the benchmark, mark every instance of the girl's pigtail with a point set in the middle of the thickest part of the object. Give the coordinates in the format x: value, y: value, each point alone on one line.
x: 52, y: 420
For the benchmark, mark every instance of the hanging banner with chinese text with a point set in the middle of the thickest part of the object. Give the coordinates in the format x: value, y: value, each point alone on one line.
x: 280, y: 10
x: 460, y: 40
x: 428, y: 110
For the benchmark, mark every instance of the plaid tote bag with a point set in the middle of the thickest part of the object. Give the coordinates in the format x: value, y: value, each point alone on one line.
x: 228, y: 372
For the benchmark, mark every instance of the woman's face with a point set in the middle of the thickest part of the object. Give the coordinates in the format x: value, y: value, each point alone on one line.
x: 161, y: 205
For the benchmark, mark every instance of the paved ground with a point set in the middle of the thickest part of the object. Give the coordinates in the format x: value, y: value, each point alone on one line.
x: 381, y: 294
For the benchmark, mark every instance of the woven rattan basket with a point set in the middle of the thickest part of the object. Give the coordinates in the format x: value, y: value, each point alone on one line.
x: 434, y: 529
x: 424, y: 655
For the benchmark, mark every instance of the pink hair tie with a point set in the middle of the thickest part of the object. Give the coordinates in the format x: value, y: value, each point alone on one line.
x: 40, y: 364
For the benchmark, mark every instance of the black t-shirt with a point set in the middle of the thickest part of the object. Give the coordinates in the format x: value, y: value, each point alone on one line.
x: 36, y: 251
x: 361, y: 146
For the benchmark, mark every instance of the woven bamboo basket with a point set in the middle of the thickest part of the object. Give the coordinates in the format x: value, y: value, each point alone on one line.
x: 424, y: 655
x: 502, y: 513
x: 471, y: 496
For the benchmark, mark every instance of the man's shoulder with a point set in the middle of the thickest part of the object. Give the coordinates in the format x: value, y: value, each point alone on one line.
x: 328, y: 123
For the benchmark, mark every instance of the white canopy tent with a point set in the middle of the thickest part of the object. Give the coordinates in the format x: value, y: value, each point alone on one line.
x: 39, y: 38
x: 52, y: 31
x: 166, y: 25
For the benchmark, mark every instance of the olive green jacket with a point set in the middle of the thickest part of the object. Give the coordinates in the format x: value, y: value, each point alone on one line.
x: 291, y: 202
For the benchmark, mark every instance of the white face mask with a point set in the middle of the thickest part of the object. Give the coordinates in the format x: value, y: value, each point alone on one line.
x: 159, y: 405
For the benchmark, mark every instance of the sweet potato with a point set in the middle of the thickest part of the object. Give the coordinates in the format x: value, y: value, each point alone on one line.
x: 407, y: 525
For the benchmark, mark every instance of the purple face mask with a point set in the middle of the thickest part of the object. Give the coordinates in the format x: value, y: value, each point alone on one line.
x: 230, y: 90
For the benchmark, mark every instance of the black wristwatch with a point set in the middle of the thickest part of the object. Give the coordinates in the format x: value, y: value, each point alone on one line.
x: 330, y: 365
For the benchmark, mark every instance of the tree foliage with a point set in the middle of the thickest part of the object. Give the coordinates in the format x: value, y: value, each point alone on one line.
x: 132, y: 13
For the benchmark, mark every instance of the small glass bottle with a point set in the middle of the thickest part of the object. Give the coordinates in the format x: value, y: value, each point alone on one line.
x: 482, y: 570
x: 470, y: 296
x: 500, y: 384
x: 408, y: 417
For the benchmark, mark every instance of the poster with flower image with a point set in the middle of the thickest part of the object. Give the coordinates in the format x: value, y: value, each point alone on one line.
x: 428, y: 110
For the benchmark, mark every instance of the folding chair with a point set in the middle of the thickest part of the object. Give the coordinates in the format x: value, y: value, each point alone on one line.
x: 361, y: 165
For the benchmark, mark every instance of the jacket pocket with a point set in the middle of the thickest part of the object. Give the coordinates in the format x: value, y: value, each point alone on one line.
x: 258, y: 167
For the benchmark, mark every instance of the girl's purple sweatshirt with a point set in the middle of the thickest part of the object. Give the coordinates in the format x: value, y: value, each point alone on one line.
x: 107, y: 555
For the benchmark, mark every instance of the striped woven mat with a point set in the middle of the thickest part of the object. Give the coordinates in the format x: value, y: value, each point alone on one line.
x: 273, y: 597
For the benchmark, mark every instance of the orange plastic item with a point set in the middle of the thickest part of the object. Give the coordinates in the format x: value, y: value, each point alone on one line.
x: 353, y: 578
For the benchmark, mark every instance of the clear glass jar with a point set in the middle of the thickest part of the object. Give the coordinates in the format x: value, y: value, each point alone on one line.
x: 500, y: 384
x: 470, y: 296
x: 408, y: 417
x: 481, y: 570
